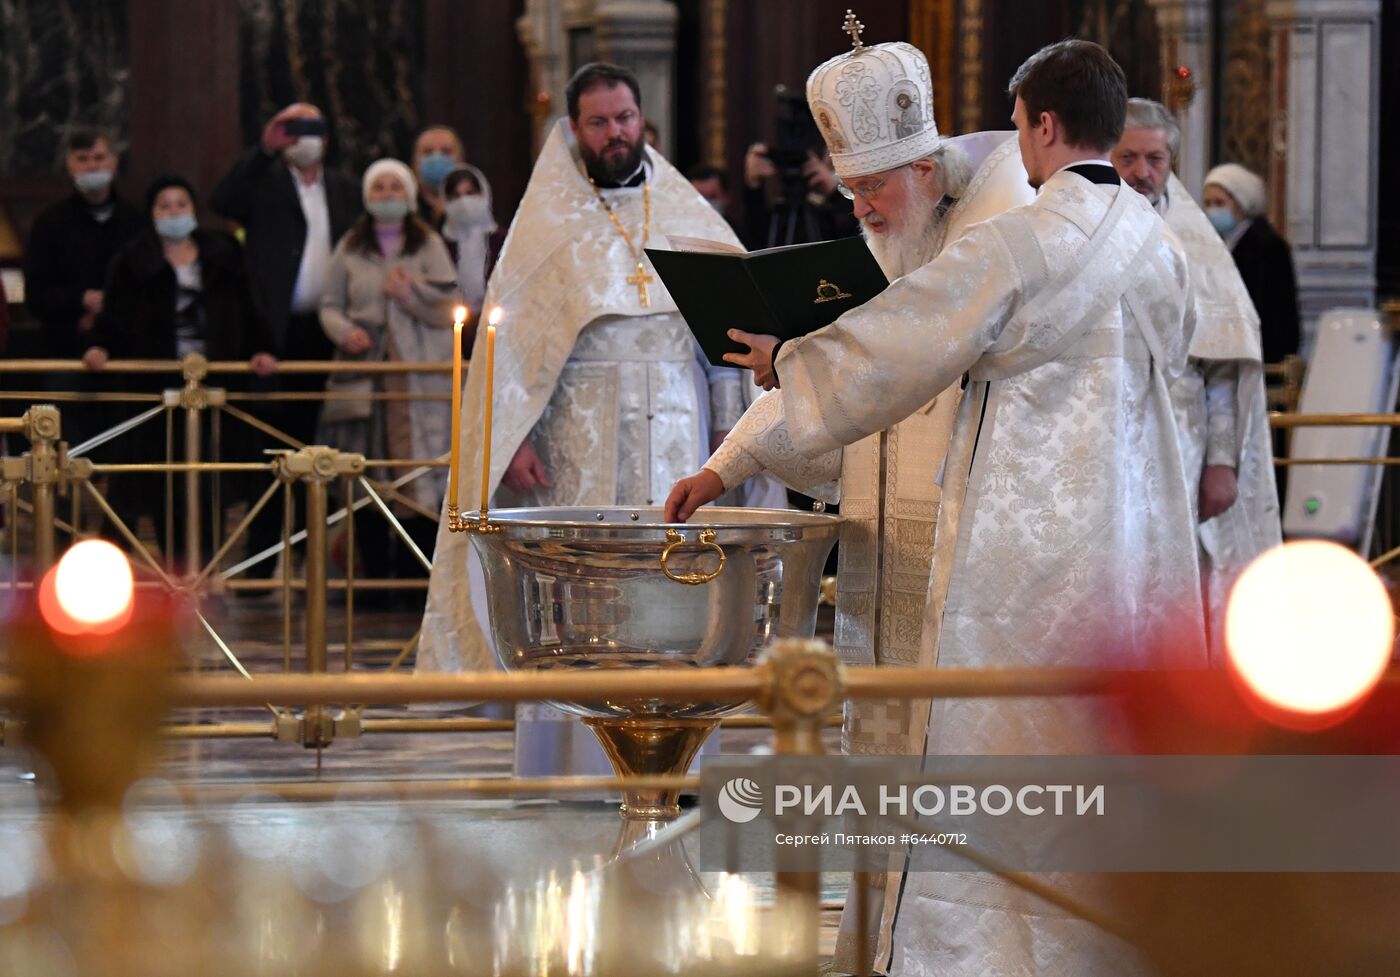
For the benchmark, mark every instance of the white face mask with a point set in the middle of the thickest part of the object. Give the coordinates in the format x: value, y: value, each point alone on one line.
x: 468, y: 211
x: 306, y: 151
x: 93, y: 181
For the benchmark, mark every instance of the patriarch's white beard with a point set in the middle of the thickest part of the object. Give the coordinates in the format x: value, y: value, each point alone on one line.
x: 913, y: 244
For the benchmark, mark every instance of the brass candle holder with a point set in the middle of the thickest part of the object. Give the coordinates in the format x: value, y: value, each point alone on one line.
x: 457, y: 522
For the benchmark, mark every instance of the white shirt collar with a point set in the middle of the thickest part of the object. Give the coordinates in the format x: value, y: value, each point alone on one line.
x: 304, y: 187
x: 644, y: 167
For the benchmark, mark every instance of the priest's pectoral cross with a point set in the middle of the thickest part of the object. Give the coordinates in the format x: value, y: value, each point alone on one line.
x: 640, y: 279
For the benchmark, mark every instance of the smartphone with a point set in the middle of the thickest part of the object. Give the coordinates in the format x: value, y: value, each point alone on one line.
x: 304, y: 127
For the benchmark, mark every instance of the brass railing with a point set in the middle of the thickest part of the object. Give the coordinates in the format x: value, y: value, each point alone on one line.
x: 52, y: 468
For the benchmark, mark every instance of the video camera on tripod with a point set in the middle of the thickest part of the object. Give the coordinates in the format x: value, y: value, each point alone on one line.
x: 797, y: 141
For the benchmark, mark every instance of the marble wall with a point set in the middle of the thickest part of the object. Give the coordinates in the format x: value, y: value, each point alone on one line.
x: 361, y: 61
x: 63, y: 64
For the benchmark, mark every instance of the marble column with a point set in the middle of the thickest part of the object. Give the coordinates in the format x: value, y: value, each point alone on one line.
x: 1185, y: 27
x: 1324, y: 178
x: 561, y: 35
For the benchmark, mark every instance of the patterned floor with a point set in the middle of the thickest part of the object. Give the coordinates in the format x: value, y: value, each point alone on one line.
x: 532, y: 839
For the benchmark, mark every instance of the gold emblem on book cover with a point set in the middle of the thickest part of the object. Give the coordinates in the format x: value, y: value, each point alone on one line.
x: 829, y: 292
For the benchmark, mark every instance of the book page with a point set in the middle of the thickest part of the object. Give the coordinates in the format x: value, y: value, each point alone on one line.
x: 697, y: 245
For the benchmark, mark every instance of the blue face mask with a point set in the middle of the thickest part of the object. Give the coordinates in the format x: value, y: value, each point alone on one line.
x: 176, y: 228
x: 387, y: 210
x: 434, y: 168
x: 1222, y: 219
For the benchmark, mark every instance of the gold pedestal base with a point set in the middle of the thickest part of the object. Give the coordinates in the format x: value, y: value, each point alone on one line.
x: 651, y: 746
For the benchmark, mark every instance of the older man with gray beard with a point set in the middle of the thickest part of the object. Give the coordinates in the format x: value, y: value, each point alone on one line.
x: 1219, y: 401
x: 915, y: 193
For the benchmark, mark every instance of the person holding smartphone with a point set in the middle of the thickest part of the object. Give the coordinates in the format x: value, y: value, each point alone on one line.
x: 293, y: 209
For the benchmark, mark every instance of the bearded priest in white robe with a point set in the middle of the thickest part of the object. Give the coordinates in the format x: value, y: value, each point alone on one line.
x: 602, y: 395
x: 1221, y: 411
x: 1065, y: 532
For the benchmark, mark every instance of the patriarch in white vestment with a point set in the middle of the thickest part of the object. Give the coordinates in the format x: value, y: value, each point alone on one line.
x: 915, y: 192
x: 1065, y: 529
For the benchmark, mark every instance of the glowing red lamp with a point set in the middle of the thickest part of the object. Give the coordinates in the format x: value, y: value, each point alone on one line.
x: 1309, y: 631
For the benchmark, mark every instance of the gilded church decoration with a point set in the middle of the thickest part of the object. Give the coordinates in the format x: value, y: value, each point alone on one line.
x: 1245, y: 82
x: 970, y: 61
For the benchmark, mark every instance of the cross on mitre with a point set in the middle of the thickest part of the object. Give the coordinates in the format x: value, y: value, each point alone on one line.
x: 640, y: 279
x: 853, y: 27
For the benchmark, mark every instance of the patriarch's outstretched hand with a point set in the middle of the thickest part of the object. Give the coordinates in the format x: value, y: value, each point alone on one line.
x: 690, y: 493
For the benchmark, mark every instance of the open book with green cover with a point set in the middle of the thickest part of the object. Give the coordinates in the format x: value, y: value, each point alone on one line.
x: 785, y: 292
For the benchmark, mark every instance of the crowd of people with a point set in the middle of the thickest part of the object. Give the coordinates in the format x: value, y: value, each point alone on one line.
x: 319, y: 269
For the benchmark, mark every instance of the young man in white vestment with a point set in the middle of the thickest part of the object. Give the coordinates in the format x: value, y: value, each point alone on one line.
x: 1220, y: 407
x: 602, y: 395
x: 1065, y: 532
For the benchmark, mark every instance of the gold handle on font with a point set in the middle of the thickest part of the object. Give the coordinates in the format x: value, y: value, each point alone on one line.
x: 705, y: 541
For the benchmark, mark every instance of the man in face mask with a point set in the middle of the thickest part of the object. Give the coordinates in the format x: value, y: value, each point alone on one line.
x: 71, y: 245
x: 293, y: 210
x: 712, y: 183
x: 436, y: 152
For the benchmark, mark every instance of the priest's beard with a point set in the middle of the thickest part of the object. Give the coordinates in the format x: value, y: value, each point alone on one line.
x: 612, y: 167
x: 913, y: 242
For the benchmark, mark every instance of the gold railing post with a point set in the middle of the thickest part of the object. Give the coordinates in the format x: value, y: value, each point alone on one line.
x: 194, y: 398
x: 317, y: 466
x: 42, y: 469
x: 805, y: 683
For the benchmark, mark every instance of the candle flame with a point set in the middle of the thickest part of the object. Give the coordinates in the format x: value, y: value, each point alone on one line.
x: 497, y: 314
x: 459, y: 315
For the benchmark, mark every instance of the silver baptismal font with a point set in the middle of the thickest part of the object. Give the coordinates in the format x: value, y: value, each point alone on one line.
x: 618, y: 588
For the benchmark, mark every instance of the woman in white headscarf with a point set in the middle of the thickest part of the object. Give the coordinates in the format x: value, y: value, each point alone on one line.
x: 390, y: 294
x: 1235, y: 201
x: 471, y: 232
